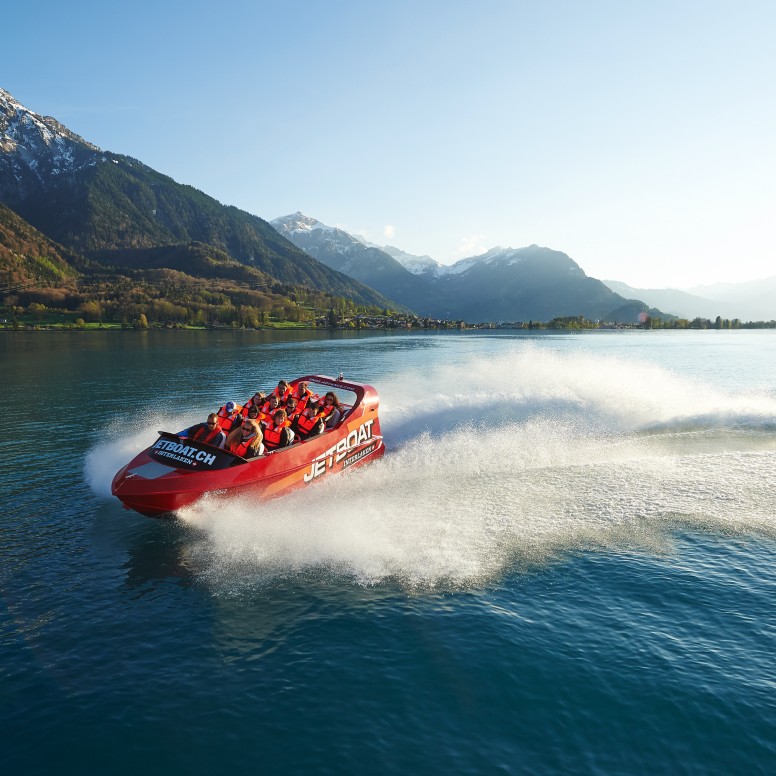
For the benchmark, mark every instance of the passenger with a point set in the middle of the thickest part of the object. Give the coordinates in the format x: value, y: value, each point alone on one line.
x: 209, y: 433
x: 269, y: 407
x: 308, y: 423
x: 292, y: 410
x: 277, y: 433
x: 256, y: 400
x: 283, y: 391
x: 332, y: 410
x: 229, y: 416
x: 254, y: 413
x: 246, y: 440
x: 302, y: 394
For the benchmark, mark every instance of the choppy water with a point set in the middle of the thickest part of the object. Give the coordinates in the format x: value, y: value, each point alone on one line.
x: 563, y: 564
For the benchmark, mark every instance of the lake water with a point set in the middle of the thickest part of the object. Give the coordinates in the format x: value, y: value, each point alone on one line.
x: 564, y: 563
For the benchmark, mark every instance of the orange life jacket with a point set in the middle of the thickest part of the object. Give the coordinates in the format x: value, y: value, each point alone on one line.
x: 273, y: 435
x: 326, y: 410
x: 241, y: 446
x: 227, y: 420
x: 281, y: 396
x: 301, y: 398
x: 205, y: 434
x: 248, y: 404
x: 266, y: 410
x: 306, y: 424
x: 291, y: 414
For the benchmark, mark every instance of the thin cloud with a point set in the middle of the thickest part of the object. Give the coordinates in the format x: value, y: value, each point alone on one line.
x: 389, y: 230
x: 471, y: 245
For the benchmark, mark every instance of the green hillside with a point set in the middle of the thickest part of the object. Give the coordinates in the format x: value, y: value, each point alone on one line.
x: 119, y: 203
x: 28, y: 258
x: 183, y: 284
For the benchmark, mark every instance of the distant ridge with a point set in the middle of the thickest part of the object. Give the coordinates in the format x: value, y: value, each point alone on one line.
x: 341, y: 251
x: 751, y: 301
x: 504, y: 284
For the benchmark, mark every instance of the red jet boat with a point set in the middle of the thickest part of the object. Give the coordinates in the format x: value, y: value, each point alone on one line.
x: 174, y: 471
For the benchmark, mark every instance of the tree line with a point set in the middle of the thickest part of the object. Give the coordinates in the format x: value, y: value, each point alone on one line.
x: 579, y: 322
x: 170, y: 297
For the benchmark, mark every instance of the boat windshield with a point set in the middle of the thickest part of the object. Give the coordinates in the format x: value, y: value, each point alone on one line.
x: 347, y: 398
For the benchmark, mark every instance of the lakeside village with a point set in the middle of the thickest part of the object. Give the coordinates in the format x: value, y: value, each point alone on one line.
x: 560, y: 323
x: 387, y: 321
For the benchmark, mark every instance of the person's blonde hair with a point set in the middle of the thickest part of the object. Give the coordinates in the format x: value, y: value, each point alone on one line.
x: 254, y: 425
x: 235, y: 435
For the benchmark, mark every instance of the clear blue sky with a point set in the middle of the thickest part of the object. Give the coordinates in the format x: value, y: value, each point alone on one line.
x: 639, y: 138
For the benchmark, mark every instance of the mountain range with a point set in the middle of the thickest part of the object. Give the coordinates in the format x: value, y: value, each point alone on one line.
x: 75, y: 214
x: 105, y: 206
x: 751, y: 301
x: 504, y: 284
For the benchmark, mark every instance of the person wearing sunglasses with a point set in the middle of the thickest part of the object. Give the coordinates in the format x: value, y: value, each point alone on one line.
x: 246, y: 440
x: 208, y: 432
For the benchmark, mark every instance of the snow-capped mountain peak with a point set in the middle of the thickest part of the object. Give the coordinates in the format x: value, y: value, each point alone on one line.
x: 497, y: 255
x: 299, y: 223
x: 417, y: 265
x: 37, y: 149
x: 19, y: 125
x: 319, y: 240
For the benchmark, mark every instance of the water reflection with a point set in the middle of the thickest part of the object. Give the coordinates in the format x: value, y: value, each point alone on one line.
x: 158, y: 553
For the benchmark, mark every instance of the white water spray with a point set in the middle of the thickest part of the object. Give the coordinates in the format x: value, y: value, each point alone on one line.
x: 503, y: 463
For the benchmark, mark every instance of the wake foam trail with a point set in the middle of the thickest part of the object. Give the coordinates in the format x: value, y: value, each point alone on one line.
x: 611, y: 395
x: 446, y: 513
x: 496, y: 465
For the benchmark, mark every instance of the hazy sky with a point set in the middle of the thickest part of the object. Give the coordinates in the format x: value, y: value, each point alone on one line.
x: 639, y: 138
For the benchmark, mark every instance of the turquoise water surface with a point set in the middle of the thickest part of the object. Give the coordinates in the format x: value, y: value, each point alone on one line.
x: 563, y: 564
